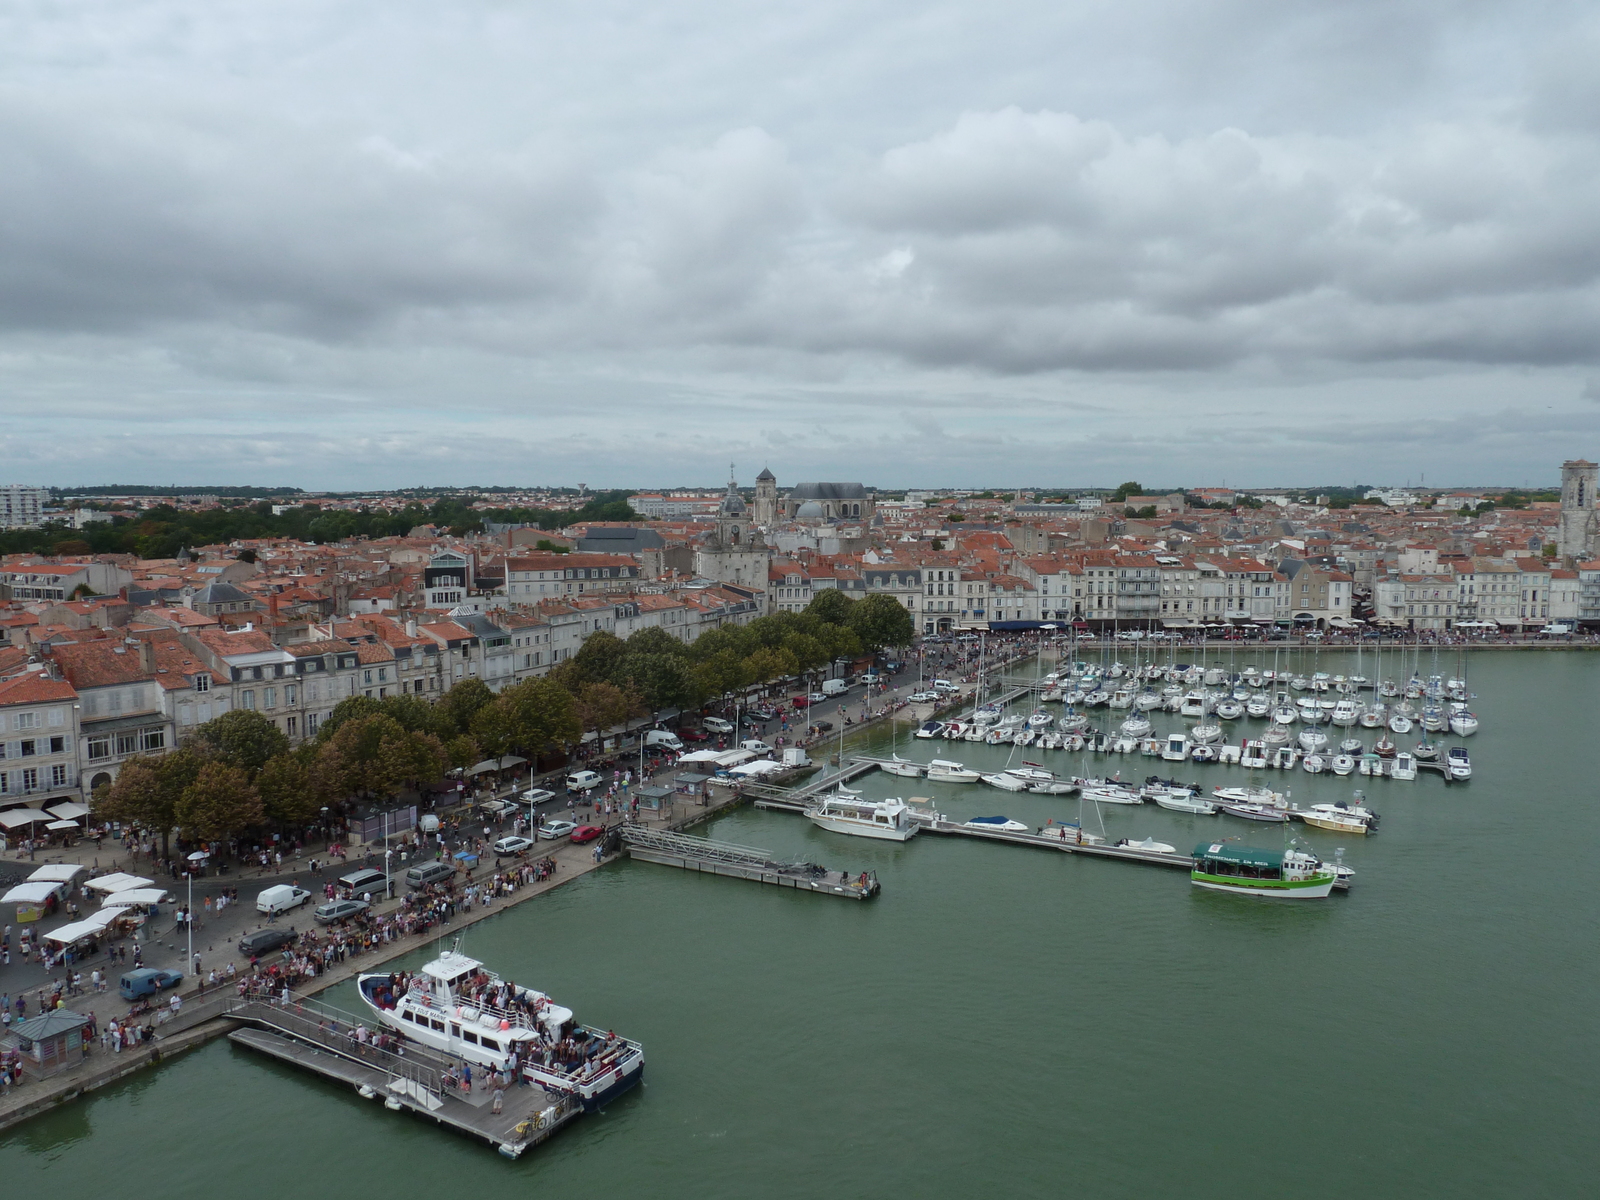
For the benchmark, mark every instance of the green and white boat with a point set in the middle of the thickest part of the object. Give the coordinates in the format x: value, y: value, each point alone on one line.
x: 1291, y: 874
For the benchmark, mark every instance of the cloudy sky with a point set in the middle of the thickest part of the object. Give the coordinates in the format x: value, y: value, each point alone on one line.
x: 379, y: 243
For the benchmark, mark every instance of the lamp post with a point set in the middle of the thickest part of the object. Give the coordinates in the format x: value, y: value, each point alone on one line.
x: 388, y: 879
x: 188, y: 923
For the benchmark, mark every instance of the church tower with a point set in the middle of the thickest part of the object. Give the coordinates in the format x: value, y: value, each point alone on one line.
x: 735, y: 552
x: 1578, y: 509
x: 765, y: 509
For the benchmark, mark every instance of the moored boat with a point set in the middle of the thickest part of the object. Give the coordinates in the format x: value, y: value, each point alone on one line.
x: 885, y: 820
x: 1292, y: 874
x: 454, y: 1006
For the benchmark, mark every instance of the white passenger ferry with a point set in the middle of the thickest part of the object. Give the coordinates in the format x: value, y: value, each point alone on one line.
x: 889, y: 820
x: 454, y: 1006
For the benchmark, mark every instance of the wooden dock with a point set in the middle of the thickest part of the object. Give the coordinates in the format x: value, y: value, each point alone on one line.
x: 703, y: 855
x: 318, y: 1038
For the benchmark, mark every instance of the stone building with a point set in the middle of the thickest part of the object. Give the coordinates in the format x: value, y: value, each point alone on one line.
x: 734, y: 552
x: 828, y: 502
x: 1579, y: 519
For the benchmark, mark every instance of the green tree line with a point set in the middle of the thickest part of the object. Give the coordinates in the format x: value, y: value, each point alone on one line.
x: 238, y: 773
x: 162, y: 531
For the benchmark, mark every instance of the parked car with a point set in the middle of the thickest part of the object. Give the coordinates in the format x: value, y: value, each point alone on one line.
x: 763, y: 714
x: 552, y: 830
x: 513, y: 845
x: 337, y: 910
x: 146, y: 981
x: 586, y: 833
x: 924, y: 697
x: 263, y: 941
x: 818, y: 697
x: 583, y: 781
x: 718, y: 725
x: 944, y: 685
x: 800, y: 701
x: 693, y: 735
x: 755, y: 746
x: 822, y: 726
x: 537, y: 795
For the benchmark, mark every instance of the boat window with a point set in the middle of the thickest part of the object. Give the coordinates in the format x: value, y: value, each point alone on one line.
x: 455, y: 1029
x: 471, y: 1037
x: 490, y: 1044
x: 405, y: 1015
x: 439, y: 1025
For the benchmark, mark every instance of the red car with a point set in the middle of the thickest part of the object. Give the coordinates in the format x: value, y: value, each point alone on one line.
x: 800, y: 701
x: 586, y: 833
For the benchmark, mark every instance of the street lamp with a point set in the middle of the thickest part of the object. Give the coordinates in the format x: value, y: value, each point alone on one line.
x: 388, y: 881
x: 188, y: 924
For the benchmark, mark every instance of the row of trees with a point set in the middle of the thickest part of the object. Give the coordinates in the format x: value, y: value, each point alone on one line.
x: 238, y: 772
x: 162, y: 531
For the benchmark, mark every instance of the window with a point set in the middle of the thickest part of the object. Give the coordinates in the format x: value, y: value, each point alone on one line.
x: 28, y: 720
x: 58, y: 775
x: 58, y: 745
x: 289, y: 691
x: 153, y: 739
x: 127, y: 743
x: 99, y: 747
x: 269, y: 697
x: 29, y: 747
x: 366, y: 677
x: 202, y: 683
x: 289, y: 726
x: 311, y: 723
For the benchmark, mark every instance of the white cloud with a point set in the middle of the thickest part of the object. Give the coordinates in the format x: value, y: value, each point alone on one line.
x: 1044, y: 230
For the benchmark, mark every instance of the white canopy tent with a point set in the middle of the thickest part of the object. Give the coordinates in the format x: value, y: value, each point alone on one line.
x: 62, y: 825
x: 496, y: 764
x: 134, y: 896
x: 68, y: 811
x: 18, y: 817
x: 34, y: 892
x: 761, y: 767
x: 78, y: 930
x: 700, y: 756
x: 117, y: 882
x: 59, y: 872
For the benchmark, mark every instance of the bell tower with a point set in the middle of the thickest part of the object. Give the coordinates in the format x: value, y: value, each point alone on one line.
x: 1579, y: 478
x: 765, y: 509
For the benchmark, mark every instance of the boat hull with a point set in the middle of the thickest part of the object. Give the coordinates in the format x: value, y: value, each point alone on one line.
x: 1315, y: 888
x: 882, y: 833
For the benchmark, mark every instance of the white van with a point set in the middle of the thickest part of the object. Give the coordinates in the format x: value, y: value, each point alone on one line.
x: 718, y: 725
x: 281, y: 899
x: 755, y: 746
x: 944, y: 685
x: 835, y: 687
x: 582, y: 781
x: 660, y: 737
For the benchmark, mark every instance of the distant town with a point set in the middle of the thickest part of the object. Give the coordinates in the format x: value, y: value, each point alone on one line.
x: 144, y: 615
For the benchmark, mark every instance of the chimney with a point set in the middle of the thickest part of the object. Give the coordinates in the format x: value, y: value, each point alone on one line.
x: 147, y: 657
x: 411, y: 627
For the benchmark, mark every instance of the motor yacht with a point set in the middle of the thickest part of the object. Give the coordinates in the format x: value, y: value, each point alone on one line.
x: 1177, y: 748
x: 930, y: 729
x: 1459, y: 762
x: 995, y: 825
x: 453, y: 1005
x: 1346, y: 713
x: 942, y: 770
x: 884, y: 820
x: 896, y: 765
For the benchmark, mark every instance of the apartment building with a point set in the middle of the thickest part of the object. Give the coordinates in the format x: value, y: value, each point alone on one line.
x: 38, y: 749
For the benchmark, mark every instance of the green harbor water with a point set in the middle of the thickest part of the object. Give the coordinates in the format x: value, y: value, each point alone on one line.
x: 1005, y: 1021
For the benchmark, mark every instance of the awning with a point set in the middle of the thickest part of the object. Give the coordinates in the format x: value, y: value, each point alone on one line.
x: 134, y: 896
x: 117, y: 882
x: 763, y: 767
x: 62, y: 825
x: 496, y: 764
x: 76, y: 931
x: 58, y: 872
x: 68, y: 811
x: 36, y: 892
x: 18, y: 817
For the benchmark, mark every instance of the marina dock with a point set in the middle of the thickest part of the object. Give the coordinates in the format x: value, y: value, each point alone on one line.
x: 710, y: 857
x: 320, y: 1039
x: 799, y: 799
